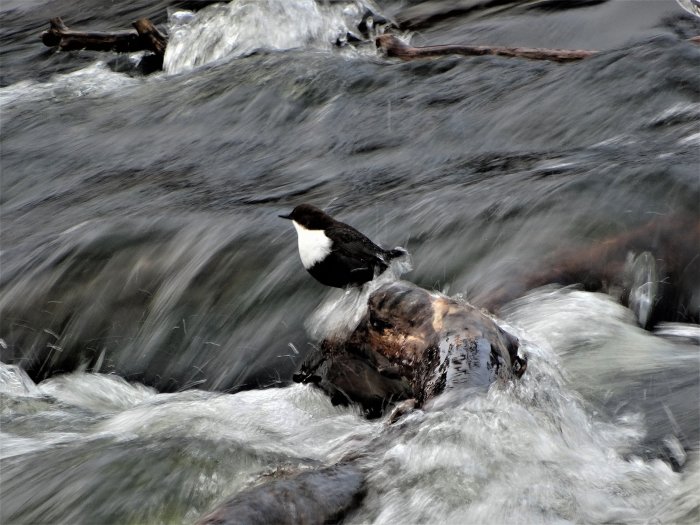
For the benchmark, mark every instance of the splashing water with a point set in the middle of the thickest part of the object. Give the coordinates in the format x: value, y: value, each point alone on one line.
x: 93, y: 81
x: 692, y: 6
x: 155, y: 458
x: 619, y: 367
x: 532, y: 451
x: 341, y: 311
x: 243, y: 26
x: 528, y: 451
x: 487, y: 164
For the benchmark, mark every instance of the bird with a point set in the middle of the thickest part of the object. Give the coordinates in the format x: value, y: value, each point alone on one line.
x: 335, y: 253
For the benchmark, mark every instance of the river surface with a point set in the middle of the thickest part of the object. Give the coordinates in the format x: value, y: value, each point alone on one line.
x: 153, y: 306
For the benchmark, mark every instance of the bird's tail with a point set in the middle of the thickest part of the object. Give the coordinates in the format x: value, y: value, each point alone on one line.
x: 402, y: 264
x: 395, y: 253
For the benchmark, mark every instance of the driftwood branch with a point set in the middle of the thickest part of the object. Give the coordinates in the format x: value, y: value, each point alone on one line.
x: 394, y: 47
x: 145, y: 37
x: 149, y: 34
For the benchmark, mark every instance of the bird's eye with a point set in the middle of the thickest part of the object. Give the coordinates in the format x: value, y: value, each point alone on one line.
x: 379, y: 324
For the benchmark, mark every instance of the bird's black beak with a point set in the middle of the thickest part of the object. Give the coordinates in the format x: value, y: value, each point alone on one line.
x: 285, y: 217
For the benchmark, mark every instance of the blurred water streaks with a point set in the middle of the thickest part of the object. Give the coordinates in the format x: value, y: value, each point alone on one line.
x: 140, y: 240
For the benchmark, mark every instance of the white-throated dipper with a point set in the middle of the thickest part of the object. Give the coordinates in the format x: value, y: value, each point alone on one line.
x: 334, y: 253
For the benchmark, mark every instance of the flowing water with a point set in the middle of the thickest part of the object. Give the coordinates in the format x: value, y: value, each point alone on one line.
x: 148, y: 290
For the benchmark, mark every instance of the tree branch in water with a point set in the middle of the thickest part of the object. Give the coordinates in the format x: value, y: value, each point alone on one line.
x: 394, y: 47
x: 145, y: 37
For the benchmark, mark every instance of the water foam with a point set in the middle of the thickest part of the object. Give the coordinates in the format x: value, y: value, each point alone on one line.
x: 341, y: 311
x: 528, y: 451
x: 244, y: 26
x: 95, y: 80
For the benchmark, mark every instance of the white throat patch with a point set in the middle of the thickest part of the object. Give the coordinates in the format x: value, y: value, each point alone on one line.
x: 313, y: 245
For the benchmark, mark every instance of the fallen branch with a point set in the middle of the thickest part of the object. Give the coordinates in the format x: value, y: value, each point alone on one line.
x: 149, y: 34
x: 145, y: 37
x: 394, y: 47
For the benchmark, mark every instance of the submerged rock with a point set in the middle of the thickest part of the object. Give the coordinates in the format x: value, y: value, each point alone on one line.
x: 411, y: 344
x: 653, y: 269
x: 312, y: 497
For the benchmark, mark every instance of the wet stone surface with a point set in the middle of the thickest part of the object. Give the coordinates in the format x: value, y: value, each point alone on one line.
x: 412, y: 344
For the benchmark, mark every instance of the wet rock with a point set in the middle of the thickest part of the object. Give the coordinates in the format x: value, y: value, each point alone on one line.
x: 653, y: 269
x: 401, y: 410
x: 411, y: 344
x: 315, y: 497
x: 372, y: 21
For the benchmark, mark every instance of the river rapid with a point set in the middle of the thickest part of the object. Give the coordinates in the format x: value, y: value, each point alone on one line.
x: 153, y: 307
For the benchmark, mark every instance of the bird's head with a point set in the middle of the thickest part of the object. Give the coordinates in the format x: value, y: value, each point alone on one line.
x: 310, y: 217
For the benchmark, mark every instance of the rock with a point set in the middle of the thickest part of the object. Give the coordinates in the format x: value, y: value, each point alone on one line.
x: 312, y: 497
x: 401, y: 410
x: 653, y: 269
x: 412, y: 344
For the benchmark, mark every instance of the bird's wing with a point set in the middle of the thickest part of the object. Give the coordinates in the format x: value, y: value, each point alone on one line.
x: 352, y: 244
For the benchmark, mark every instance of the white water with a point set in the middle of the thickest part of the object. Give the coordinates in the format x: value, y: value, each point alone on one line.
x: 341, y: 310
x: 598, y: 340
x: 533, y: 451
x: 93, y: 81
x: 241, y: 27
x: 561, y: 446
x: 537, y: 451
x: 219, y: 31
x: 692, y: 6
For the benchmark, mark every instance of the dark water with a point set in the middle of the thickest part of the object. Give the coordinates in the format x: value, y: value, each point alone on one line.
x: 140, y: 237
